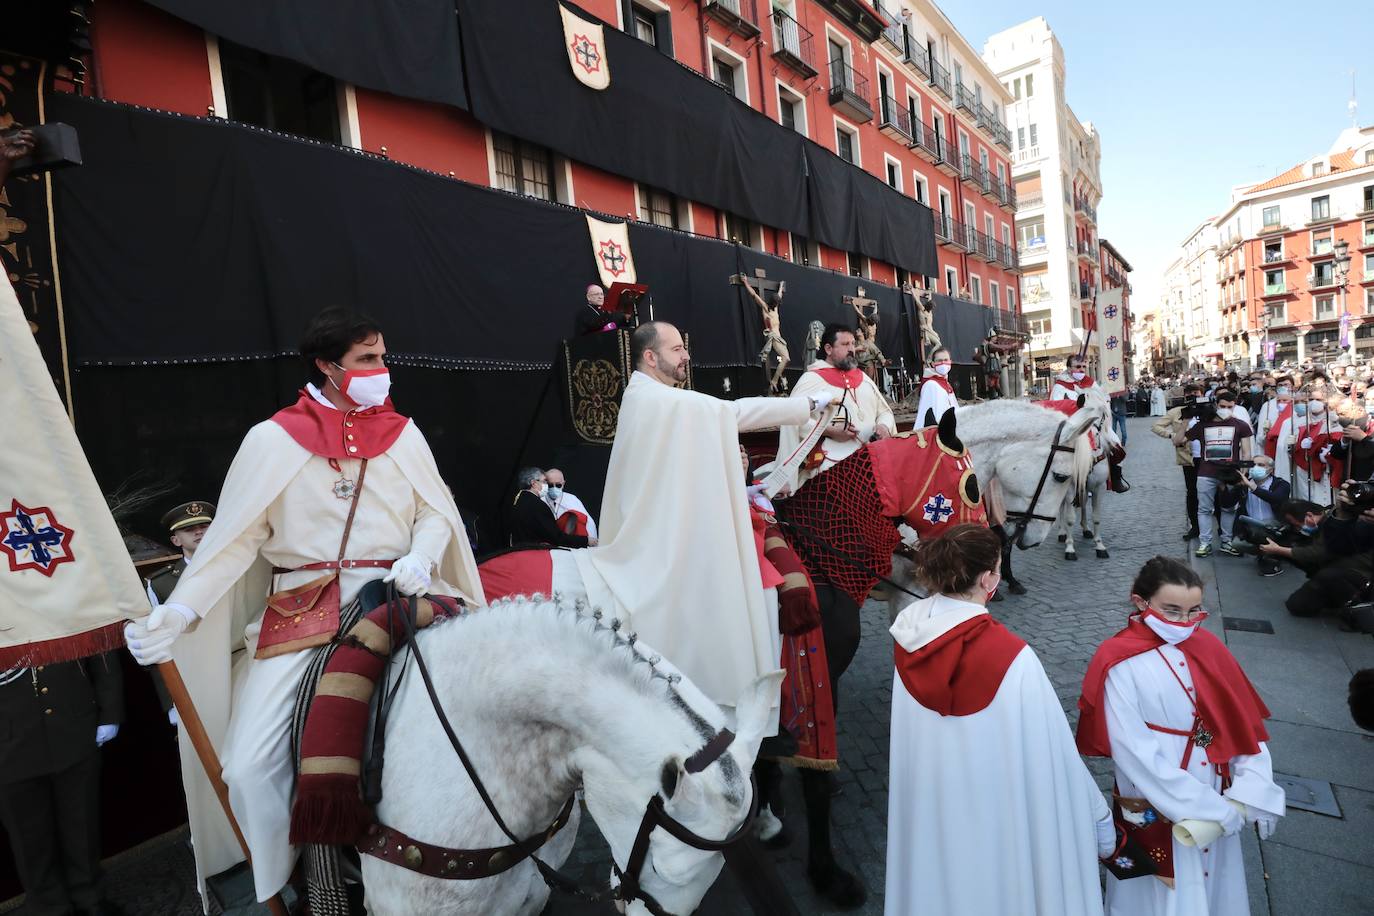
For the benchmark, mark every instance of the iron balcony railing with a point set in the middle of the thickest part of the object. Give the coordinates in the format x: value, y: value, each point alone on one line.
x: 1274, y: 257
x: 850, y: 87
x: 741, y: 16
x: 792, y: 43
x: 1009, y: 195
x: 940, y: 78
x: 918, y: 55
x: 894, y: 117
x: 1085, y: 290
x: 972, y: 170
x: 1010, y: 321
x: 963, y: 98
x: 1275, y: 289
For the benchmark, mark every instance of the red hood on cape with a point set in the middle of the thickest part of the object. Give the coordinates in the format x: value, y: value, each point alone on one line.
x: 959, y: 673
x: 1231, y: 709
x: 1068, y: 382
x: 332, y: 433
x: 931, y: 375
x: 841, y: 378
x: 1271, y: 440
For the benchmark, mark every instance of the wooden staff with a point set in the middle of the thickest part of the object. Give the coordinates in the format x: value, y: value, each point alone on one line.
x: 194, y: 729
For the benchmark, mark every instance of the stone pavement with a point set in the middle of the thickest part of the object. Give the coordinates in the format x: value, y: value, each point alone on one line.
x: 1315, y: 864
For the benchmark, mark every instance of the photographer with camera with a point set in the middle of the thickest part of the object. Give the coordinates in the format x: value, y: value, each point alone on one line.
x: 1332, y: 550
x: 1264, y: 496
x: 1187, y: 454
x: 1225, y: 443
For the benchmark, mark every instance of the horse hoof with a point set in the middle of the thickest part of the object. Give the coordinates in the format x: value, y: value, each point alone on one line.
x: 838, y: 886
x: 1102, y: 555
x: 1070, y: 555
x: 1016, y: 587
x: 1063, y: 538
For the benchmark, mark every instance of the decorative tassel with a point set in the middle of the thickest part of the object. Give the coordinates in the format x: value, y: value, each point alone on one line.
x: 328, y: 811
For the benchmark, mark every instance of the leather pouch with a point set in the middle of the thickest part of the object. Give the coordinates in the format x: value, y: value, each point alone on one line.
x: 299, y: 618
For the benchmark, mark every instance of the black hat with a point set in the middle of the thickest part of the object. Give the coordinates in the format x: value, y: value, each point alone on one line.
x: 186, y: 514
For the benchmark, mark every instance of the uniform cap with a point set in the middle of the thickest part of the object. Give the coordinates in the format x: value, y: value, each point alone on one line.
x: 196, y: 512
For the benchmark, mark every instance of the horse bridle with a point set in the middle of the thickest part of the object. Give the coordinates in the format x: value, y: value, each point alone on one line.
x: 1024, y: 518
x: 655, y: 812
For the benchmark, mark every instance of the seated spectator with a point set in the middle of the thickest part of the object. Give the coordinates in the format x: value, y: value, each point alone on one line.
x: 1263, y: 495
x: 531, y: 522
x: 1327, y: 549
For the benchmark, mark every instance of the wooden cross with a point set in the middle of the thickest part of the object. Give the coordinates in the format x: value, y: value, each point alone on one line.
x: 759, y: 282
x: 858, y: 301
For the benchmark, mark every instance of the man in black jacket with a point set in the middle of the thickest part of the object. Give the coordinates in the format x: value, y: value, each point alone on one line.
x: 53, y: 719
x: 531, y: 520
x: 1260, y: 498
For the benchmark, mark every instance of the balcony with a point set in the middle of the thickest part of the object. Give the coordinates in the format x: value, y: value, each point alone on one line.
x: 1276, y: 257
x: 1011, y: 259
x: 951, y: 232
x: 792, y: 44
x: 849, y: 92
x: 895, y: 121
x: 1274, y: 289
x: 894, y: 33
x: 940, y: 78
x: 918, y: 57
x: 992, y: 185
x: 971, y: 171
x: 739, y: 16
x: 1029, y: 202
x: 948, y: 160
x: 1321, y: 248
x: 925, y: 145
x: 963, y: 98
x: 1321, y: 281
x: 1272, y: 228
x: 1085, y: 291
x: 981, y: 246
x: 1368, y: 239
x: 1034, y: 250
x: 1081, y: 207
x: 1009, y: 195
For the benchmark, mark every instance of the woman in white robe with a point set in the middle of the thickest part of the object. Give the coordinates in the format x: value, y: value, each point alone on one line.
x: 990, y: 808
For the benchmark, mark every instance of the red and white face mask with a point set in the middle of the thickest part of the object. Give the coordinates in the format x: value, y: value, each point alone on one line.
x: 1171, y: 631
x: 366, y: 387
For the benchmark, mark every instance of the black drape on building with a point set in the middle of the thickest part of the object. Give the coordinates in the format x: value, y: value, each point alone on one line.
x: 962, y: 326
x: 406, y: 47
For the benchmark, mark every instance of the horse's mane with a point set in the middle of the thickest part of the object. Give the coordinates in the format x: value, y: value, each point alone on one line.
x: 1020, y: 421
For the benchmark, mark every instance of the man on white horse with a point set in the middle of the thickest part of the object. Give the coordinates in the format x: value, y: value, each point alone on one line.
x: 864, y: 413
x: 335, y: 491
x: 1073, y: 381
x: 678, y: 559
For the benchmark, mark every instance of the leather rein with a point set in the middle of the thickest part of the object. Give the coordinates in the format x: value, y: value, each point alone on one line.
x: 400, y: 850
x: 1024, y: 517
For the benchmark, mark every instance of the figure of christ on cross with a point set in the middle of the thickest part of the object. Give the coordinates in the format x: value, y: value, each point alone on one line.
x: 871, y: 359
x: 772, y: 330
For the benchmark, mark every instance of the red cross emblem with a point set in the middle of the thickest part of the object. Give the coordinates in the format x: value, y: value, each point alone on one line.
x: 34, y: 539
x: 586, y: 53
x: 612, y: 257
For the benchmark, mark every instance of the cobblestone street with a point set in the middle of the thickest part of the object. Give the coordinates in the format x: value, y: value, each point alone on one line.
x: 1315, y: 864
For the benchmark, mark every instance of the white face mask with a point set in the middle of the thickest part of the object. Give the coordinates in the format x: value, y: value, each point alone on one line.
x: 943, y: 369
x: 1167, y: 630
x: 1224, y: 413
x: 1078, y: 375
x: 1316, y: 407
x: 366, y: 387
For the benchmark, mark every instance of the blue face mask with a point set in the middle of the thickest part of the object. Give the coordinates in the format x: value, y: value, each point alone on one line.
x: 1254, y: 389
x: 1300, y: 409
x: 1309, y: 529
x: 1259, y: 473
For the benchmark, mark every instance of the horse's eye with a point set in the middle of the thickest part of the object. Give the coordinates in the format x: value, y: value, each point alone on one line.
x: 1061, y: 478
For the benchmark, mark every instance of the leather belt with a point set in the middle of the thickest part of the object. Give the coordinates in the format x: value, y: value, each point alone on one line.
x: 391, y: 845
x: 335, y: 564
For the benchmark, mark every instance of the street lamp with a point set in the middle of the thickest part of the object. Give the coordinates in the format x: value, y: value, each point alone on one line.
x: 1341, y: 269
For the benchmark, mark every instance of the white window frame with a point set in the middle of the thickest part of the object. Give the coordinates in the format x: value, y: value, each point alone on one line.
x: 946, y: 201
x: 1006, y: 236
x: 952, y: 281
x: 919, y: 181
x: 920, y: 109
x: 683, y: 207
x: 718, y: 51
x: 1317, y: 301
x: 989, y: 226
x: 812, y: 255
x: 975, y: 288
x: 994, y: 294
x: 853, y: 131
x: 877, y: 84
x: 1011, y: 298
x: 890, y: 160
x: 847, y: 46
x: 799, y: 104
x: 562, y: 176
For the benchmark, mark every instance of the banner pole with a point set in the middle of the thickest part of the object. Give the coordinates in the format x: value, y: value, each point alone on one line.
x: 209, y: 760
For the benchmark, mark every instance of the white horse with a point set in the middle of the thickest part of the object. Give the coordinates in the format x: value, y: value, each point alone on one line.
x: 1095, y: 489
x: 548, y: 700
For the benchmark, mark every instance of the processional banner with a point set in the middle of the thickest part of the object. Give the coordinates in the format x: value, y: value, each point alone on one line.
x: 586, y: 47
x: 1111, y: 341
x: 611, y: 247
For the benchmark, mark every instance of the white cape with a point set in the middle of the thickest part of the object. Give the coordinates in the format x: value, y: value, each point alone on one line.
x: 677, y: 559
x: 990, y: 813
x: 935, y: 399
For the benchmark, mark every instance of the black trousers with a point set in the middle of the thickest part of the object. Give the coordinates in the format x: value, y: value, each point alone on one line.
x: 1190, y: 486
x: 53, y: 823
x: 1330, y: 587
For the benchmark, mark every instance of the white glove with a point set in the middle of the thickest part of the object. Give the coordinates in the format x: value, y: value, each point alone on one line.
x: 821, y: 401
x: 411, y: 574
x: 172, y: 718
x: 1265, y: 822
x: 150, y: 639
x: 1306, y: 443
x: 1106, y: 837
x: 1235, y: 818
x: 104, y: 733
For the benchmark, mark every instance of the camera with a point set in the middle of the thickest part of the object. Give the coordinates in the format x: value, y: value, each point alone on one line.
x: 1253, y: 534
x: 1361, y: 494
x: 1200, y: 411
x: 1230, y: 472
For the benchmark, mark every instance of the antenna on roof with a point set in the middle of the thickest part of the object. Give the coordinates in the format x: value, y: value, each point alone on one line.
x: 1353, y: 106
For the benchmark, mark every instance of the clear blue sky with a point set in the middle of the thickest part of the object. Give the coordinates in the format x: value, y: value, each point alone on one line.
x: 1192, y: 98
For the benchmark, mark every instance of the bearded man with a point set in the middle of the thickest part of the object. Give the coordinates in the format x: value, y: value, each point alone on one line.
x: 679, y: 562
x: 863, y: 415
x: 329, y: 494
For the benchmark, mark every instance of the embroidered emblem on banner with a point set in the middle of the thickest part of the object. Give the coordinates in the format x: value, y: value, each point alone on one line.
x: 615, y: 262
x: 586, y: 46
x: 1110, y: 311
x: 34, y: 539
x: 1112, y: 343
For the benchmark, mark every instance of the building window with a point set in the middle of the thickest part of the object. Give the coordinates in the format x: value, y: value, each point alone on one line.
x: 657, y: 207
x: 1369, y: 302
x: 653, y: 27
x: 1273, y: 280
x: 1020, y: 138
x: 278, y: 94
x: 1368, y: 197
x: 1032, y: 234
x: 1321, y: 241
x: 1321, y: 207
x: 1033, y: 140
x: 1323, y: 274
x: 727, y: 75
x: 903, y: 278
x: 1030, y: 85
x: 1040, y: 323
x: 1271, y: 216
x: 1016, y: 88
x: 994, y: 293
x: 919, y: 185
x: 1011, y: 299
x: 1369, y: 232
x: 791, y: 110
x: 894, y: 173
x: 951, y: 281
x: 737, y: 229
x: 1278, y: 313
x: 1273, y: 251
x: 846, y: 145
x: 804, y: 251
x: 976, y: 287
x: 1325, y: 307
x: 856, y: 264
x: 522, y: 167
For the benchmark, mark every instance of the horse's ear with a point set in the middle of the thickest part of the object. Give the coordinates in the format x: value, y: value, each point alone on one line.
x: 929, y: 418
x: 1082, y: 399
x: 949, y: 435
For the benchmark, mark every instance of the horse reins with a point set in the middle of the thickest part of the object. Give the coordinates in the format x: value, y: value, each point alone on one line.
x: 655, y: 813
x: 1024, y: 518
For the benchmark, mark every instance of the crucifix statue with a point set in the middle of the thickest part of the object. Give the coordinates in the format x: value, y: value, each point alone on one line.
x: 925, y: 317
x: 772, y: 323
x: 866, y: 351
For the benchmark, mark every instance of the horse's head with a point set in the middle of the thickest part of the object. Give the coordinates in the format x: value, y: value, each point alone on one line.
x: 701, y: 787
x: 1037, y: 475
x: 926, y: 478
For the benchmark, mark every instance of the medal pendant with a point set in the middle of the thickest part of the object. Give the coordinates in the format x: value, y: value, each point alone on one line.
x: 344, y: 488
x: 1202, y: 737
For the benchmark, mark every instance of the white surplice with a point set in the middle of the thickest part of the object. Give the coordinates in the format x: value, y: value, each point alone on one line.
x: 1158, y: 403
x: 934, y: 398
x: 677, y: 559
x: 1209, y: 880
x: 866, y: 407
x: 989, y: 813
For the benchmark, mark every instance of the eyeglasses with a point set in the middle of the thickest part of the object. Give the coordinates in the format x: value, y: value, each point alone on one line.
x: 1183, y: 616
